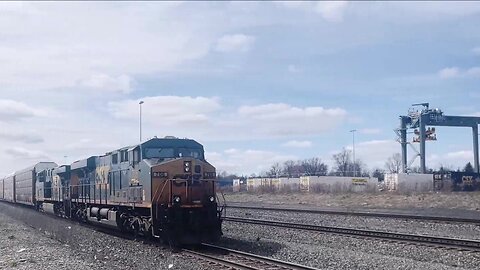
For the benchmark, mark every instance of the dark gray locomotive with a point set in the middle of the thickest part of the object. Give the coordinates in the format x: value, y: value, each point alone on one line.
x: 161, y: 188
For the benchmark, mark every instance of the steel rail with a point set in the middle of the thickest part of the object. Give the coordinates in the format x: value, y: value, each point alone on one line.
x: 441, y: 241
x: 240, y: 260
x: 362, y: 213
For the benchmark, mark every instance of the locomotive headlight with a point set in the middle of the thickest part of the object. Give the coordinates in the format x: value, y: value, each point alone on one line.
x: 211, y: 199
x: 176, y: 199
x: 187, y: 166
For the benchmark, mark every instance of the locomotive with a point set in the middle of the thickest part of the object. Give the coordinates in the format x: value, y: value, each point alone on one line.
x: 161, y: 188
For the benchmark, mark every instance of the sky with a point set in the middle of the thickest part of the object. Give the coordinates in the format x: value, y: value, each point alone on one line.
x: 254, y: 82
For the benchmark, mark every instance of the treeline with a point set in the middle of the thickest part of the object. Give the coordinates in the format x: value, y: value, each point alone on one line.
x: 343, y: 165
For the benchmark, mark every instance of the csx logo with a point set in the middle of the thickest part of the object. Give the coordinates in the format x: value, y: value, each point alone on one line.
x: 467, y: 180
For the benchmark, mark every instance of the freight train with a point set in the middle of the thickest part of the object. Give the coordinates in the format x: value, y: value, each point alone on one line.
x: 161, y: 188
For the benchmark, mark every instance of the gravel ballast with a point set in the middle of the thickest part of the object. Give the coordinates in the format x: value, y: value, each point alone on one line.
x: 410, y: 226
x: 55, y: 243
x: 329, y: 251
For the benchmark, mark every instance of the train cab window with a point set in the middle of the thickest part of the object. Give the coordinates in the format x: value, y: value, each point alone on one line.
x: 187, y: 152
x: 159, y: 153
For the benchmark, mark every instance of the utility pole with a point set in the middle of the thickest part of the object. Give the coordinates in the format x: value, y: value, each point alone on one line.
x: 354, y: 162
x: 140, y: 104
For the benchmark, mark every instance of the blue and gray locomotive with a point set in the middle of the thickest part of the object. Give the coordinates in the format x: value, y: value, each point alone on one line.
x: 161, y: 188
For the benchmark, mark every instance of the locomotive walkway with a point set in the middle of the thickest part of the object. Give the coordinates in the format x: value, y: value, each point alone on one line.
x: 463, y: 244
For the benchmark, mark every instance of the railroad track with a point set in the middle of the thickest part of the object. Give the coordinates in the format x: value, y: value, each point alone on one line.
x: 463, y: 244
x: 223, y: 258
x: 364, y: 214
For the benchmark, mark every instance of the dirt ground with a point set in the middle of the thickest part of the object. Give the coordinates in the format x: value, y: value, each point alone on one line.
x: 460, y: 200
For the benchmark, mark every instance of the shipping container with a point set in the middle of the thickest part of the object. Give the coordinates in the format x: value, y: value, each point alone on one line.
x: 403, y: 182
x: 236, y: 185
x: 334, y: 184
x: 289, y: 184
x: 456, y: 181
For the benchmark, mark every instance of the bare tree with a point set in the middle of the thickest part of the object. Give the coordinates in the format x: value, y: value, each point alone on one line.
x: 394, y: 163
x: 289, y: 168
x: 342, y: 162
x: 275, y: 170
x: 314, y: 166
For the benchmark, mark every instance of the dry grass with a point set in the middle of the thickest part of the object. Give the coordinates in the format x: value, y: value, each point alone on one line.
x: 450, y: 200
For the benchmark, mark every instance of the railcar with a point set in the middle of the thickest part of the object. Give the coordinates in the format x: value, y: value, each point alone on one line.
x: 161, y: 188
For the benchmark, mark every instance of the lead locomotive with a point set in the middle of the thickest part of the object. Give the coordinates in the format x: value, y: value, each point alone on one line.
x: 160, y: 188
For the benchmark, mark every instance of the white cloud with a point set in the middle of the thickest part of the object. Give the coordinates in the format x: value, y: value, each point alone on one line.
x: 246, y: 161
x: 375, y: 153
x: 450, y: 72
x: 20, y: 137
x: 235, y: 43
x: 474, y: 72
x: 279, y: 119
x: 167, y: 110
x: 206, y: 118
x: 120, y: 83
x: 11, y: 110
x: 51, y: 45
x: 453, y: 160
x: 455, y: 72
x: 294, y: 69
x: 298, y: 144
x: 332, y: 11
x: 476, y: 50
x: 22, y: 153
x: 370, y: 131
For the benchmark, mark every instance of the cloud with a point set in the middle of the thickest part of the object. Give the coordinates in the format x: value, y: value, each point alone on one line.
x: 235, y: 43
x: 294, y: 69
x: 453, y: 160
x: 280, y: 119
x: 447, y: 73
x: 207, y: 119
x: 298, y: 144
x: 474, y: 72
x: 21, y: 137
x: 374, y: 153
x: 246, y: 161
x: 331, y: 11
x: 11, y: 110
x: 167, y: 110
x: 455, y: 72
x: 120, y: 83
x: 476, y: 50
x: 46, y: 45
x: 370, y: 131
x: 22, y: 153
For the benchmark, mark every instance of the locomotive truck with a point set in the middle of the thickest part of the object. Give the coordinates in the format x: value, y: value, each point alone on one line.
x: 162, y: 188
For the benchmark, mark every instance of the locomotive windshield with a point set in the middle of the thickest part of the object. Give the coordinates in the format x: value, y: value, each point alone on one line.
x: 159, y: 153
x: 173, y: 153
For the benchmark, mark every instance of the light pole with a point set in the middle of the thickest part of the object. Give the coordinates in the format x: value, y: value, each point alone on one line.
x: 140, y: 104
x: 354, y: 162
